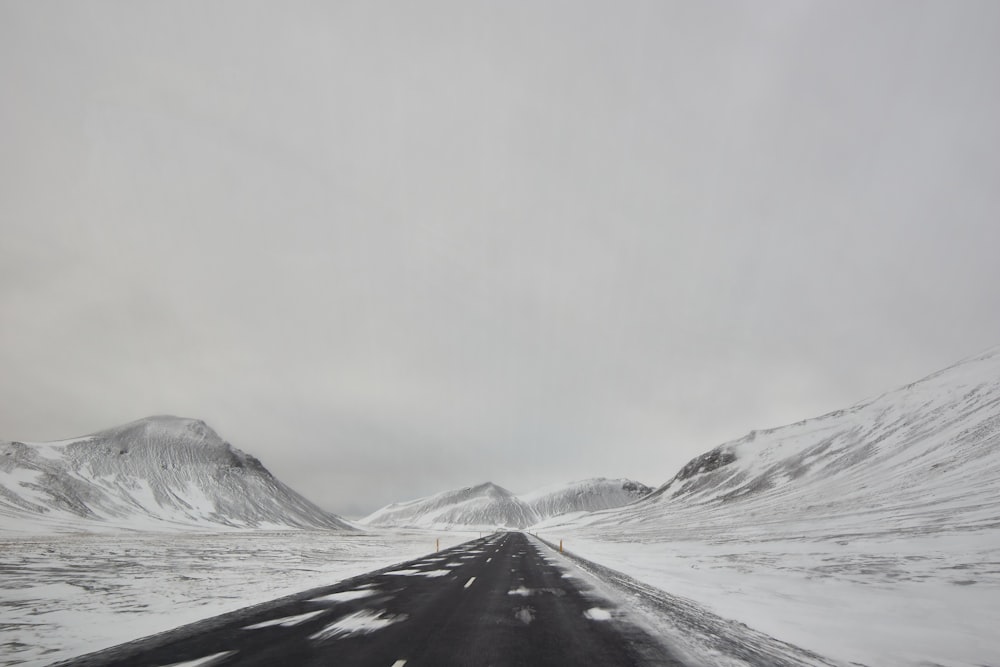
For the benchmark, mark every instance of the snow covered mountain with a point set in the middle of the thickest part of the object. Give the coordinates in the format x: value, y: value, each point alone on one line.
x: 489, y: 506
x: 926, y: 455
x: 485, y: 506
x: 880, y: 521
x: 151, y: 473
x: 587, y: 495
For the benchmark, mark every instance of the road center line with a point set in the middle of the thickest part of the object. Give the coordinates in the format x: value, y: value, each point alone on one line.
x: 489, y: 559
x: 469, y: 582
x: 399, y: 663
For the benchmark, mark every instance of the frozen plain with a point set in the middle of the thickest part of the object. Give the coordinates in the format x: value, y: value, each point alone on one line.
x: 873, y: 600
x: 63, y: 595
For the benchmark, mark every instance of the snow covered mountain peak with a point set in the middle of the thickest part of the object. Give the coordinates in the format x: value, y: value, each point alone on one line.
x: 490, y: 489
x: 151, y: 473
x: 165, y: 441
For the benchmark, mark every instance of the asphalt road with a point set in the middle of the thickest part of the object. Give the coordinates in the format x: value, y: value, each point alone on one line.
x: 506, y: 599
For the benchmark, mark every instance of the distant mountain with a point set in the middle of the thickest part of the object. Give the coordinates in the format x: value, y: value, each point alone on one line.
x: 921, y: 459
x: 485, y: 506
x: 490, y: 506
x: 587, y: 495
x: 152, y: 473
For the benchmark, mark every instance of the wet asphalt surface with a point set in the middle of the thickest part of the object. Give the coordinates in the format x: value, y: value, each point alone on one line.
x: 505, y: 599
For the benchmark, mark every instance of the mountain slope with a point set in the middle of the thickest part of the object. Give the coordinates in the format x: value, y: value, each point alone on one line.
x: 586, y: 495
x: 154, y: 472
x: 879, y: 522
x: 924, y: 457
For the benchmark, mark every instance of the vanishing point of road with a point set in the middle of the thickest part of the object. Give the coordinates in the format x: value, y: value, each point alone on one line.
x: 499, y: 601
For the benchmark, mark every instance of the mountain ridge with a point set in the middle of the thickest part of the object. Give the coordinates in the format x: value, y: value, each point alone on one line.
x: 489, y: 506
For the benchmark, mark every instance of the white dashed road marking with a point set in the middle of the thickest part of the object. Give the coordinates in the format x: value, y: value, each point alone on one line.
x: 469, y: 582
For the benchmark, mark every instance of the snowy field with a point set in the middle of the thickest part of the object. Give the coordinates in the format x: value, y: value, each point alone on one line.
x: 65, y: 595
x: 870, y: 600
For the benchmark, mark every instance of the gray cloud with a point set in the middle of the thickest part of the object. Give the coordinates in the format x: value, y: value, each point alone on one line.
x: 392, y: 249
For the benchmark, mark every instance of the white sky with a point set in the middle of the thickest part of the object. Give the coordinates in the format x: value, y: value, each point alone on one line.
x: 394, y: 248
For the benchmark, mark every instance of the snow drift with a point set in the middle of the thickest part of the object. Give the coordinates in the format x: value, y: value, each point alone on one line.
x: 151, y: 473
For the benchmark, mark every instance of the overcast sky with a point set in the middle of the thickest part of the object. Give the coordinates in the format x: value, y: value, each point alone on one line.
x: 392, y: 248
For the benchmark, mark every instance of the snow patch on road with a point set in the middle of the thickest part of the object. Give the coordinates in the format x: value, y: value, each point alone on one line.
x: 207, y: 661
x: 525, y: 615
x: 361, y: 622
x: 286, y: 622
x: 597, y: 614
x: 420, y: 573
x: 345, y: 596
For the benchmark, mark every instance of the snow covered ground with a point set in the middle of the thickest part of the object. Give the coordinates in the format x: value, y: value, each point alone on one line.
x: 870, y: 599
x: 65, y: 595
